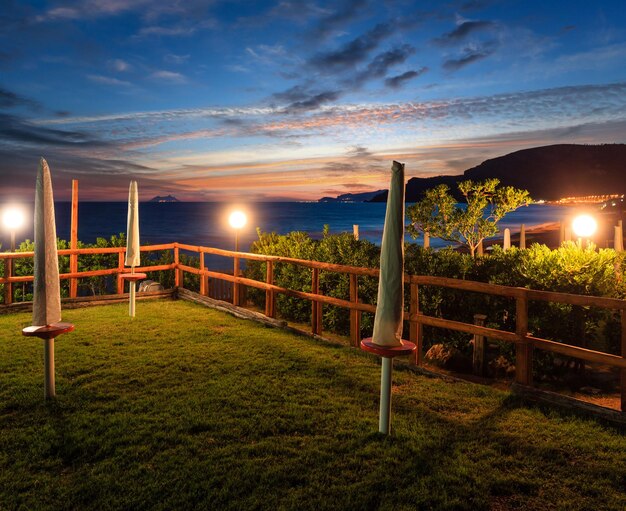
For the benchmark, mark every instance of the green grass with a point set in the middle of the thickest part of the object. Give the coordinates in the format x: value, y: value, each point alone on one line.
x: 188, y: 408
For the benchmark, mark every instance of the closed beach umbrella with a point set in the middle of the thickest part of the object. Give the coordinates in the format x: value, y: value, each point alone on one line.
x: 387, y: 339
x: 132, y: 243
x: 46, y: 289
x: 390, y: 303
x: 132, y: 229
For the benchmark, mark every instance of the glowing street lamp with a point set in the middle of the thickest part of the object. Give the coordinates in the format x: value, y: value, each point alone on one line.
x: 13, y: 218
x: 237, y: 220
x: 584, y: 226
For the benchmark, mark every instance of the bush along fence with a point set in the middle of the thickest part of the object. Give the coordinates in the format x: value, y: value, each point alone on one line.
x: 538, y: 328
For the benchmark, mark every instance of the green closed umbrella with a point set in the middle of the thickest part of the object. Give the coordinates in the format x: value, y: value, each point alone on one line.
x: 386, y: 340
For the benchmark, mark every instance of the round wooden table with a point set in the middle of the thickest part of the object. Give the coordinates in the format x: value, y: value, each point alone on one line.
x: 133, y: 277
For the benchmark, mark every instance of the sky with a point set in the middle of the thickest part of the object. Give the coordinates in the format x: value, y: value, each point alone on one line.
x: 230, y: 100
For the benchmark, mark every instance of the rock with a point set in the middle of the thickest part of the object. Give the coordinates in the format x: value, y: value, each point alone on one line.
x: 150, y: 285
x: 448, y: 357
x: 592, y: 391
x: 501, y: 367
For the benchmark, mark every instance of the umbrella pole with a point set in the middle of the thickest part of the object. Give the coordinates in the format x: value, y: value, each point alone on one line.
x: 131, y: 309
x: 384, y: 421
x: 131, y: 301
x: 48, y: 364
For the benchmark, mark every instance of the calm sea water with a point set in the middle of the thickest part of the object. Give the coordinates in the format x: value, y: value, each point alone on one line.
x: 205, y: 223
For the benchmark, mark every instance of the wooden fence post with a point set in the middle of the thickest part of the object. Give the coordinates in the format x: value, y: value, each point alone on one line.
x: 355, y: 315
x: 8, y: 287
x: 623, y: 371
x: 479, y: 357
x: 522, y: 237
x: 316, y: 307
x: 506, y: 241
x: 235, y: 287
x: 270, y: 296
x: 415, y: 328
x: 74, y: 239
x: 203, y: 278
x: 355, y: 231
x: 177, y: 272
x: 523, y: 348
x: 120, y: 270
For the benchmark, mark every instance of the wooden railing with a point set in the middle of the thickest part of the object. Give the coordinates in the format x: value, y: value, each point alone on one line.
x: 524, y: 342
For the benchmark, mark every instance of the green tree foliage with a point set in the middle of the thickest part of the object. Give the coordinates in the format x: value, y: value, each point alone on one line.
x: 439, y: 215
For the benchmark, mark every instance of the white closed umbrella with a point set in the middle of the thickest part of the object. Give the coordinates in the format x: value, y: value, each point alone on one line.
x: 46, y: 288
x: 132, y: 240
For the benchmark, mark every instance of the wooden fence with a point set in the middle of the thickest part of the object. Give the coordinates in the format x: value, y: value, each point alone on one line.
x: 524, y: 342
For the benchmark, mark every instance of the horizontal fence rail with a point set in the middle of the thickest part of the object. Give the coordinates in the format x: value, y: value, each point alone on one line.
x: 524, y: 342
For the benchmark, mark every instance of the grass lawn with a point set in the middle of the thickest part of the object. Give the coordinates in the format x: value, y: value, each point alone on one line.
x: 188, y: 408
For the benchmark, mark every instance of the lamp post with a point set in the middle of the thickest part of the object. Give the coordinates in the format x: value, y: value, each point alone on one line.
x: 13, y: 218
x: 237, y: 220
x: 584, y: 226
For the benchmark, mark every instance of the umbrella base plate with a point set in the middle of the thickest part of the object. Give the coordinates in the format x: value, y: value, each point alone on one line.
x: 133, y: 277
x: 47, y: 331
x: 406, y: 348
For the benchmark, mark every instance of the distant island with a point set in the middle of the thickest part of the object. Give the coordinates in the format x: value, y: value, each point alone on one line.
x: 166, y: 198
x: 353, y: 197
x: 548, y: 173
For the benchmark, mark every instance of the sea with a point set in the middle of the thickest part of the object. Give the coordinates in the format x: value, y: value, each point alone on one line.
x: 206, y: 223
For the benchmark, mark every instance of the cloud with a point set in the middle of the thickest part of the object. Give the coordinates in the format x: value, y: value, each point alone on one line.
x: 119, y: 65
x: 396, y: 82
x: 352, y: 53
x: 16, y: 129
x: 167, y: 31
x: 379, y: 66
x: 462, y: 31
x: 169, y: 76
x: 9, y: 99
x: 470, y: 55
x: 172, y: 58
x: 108, y: 80
x: 312, y: 101
x: 90, y: 9
x: 339, y: 18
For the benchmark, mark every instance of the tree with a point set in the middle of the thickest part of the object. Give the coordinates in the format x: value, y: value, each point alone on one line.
x: 439, y: 215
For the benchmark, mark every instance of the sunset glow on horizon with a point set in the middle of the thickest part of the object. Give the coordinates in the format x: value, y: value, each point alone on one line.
x: 291, y: 100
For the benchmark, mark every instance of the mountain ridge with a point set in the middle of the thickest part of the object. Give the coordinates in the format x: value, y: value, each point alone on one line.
x: 547, y: 172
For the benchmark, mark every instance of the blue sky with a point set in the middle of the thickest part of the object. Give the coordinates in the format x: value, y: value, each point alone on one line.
x: 274, y: 100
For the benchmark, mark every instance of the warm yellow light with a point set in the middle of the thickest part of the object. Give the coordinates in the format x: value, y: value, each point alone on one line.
x: 237, y: 219
x: 13, y: 218
x: 584, y: 226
